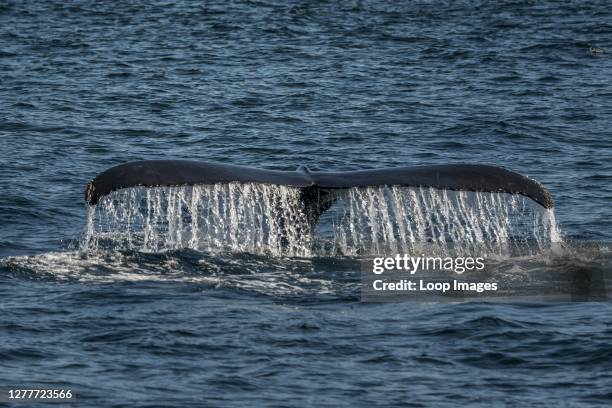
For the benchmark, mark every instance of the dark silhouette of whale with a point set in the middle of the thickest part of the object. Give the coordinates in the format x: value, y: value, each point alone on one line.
x: 317, y: 187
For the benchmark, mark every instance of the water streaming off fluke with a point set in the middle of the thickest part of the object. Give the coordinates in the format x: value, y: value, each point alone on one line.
x: 272, y: 220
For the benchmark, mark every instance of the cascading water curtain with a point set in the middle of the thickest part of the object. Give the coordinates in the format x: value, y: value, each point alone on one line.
x: 254, y: 218
x: 268, y: 219
x: 377, y: 220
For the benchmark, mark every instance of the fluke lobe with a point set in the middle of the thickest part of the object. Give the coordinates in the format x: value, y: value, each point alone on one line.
x: 317, y: 186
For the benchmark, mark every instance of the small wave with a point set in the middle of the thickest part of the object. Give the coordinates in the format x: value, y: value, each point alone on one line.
x: 571, y: 272
x: 260, y: 275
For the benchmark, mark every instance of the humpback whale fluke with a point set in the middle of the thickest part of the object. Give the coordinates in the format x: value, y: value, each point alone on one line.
x: 316, y: 186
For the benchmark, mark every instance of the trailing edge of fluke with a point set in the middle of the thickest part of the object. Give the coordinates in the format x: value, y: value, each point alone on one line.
x: 466, y: 177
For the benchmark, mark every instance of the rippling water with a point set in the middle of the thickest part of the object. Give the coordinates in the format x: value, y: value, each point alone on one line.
x: 87, y: 85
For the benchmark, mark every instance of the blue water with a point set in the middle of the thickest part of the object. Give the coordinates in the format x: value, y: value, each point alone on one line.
x: 365, y: 84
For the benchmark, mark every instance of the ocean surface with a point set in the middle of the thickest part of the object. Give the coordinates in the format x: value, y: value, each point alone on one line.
x: 86, y: 85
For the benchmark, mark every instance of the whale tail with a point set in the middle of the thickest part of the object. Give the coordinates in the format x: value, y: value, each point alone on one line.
x: 318, y: 189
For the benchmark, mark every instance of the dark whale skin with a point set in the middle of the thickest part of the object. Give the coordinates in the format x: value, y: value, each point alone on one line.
x: 466, y: 177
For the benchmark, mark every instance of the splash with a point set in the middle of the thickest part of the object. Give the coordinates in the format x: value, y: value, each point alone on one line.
x: 271, y: 220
